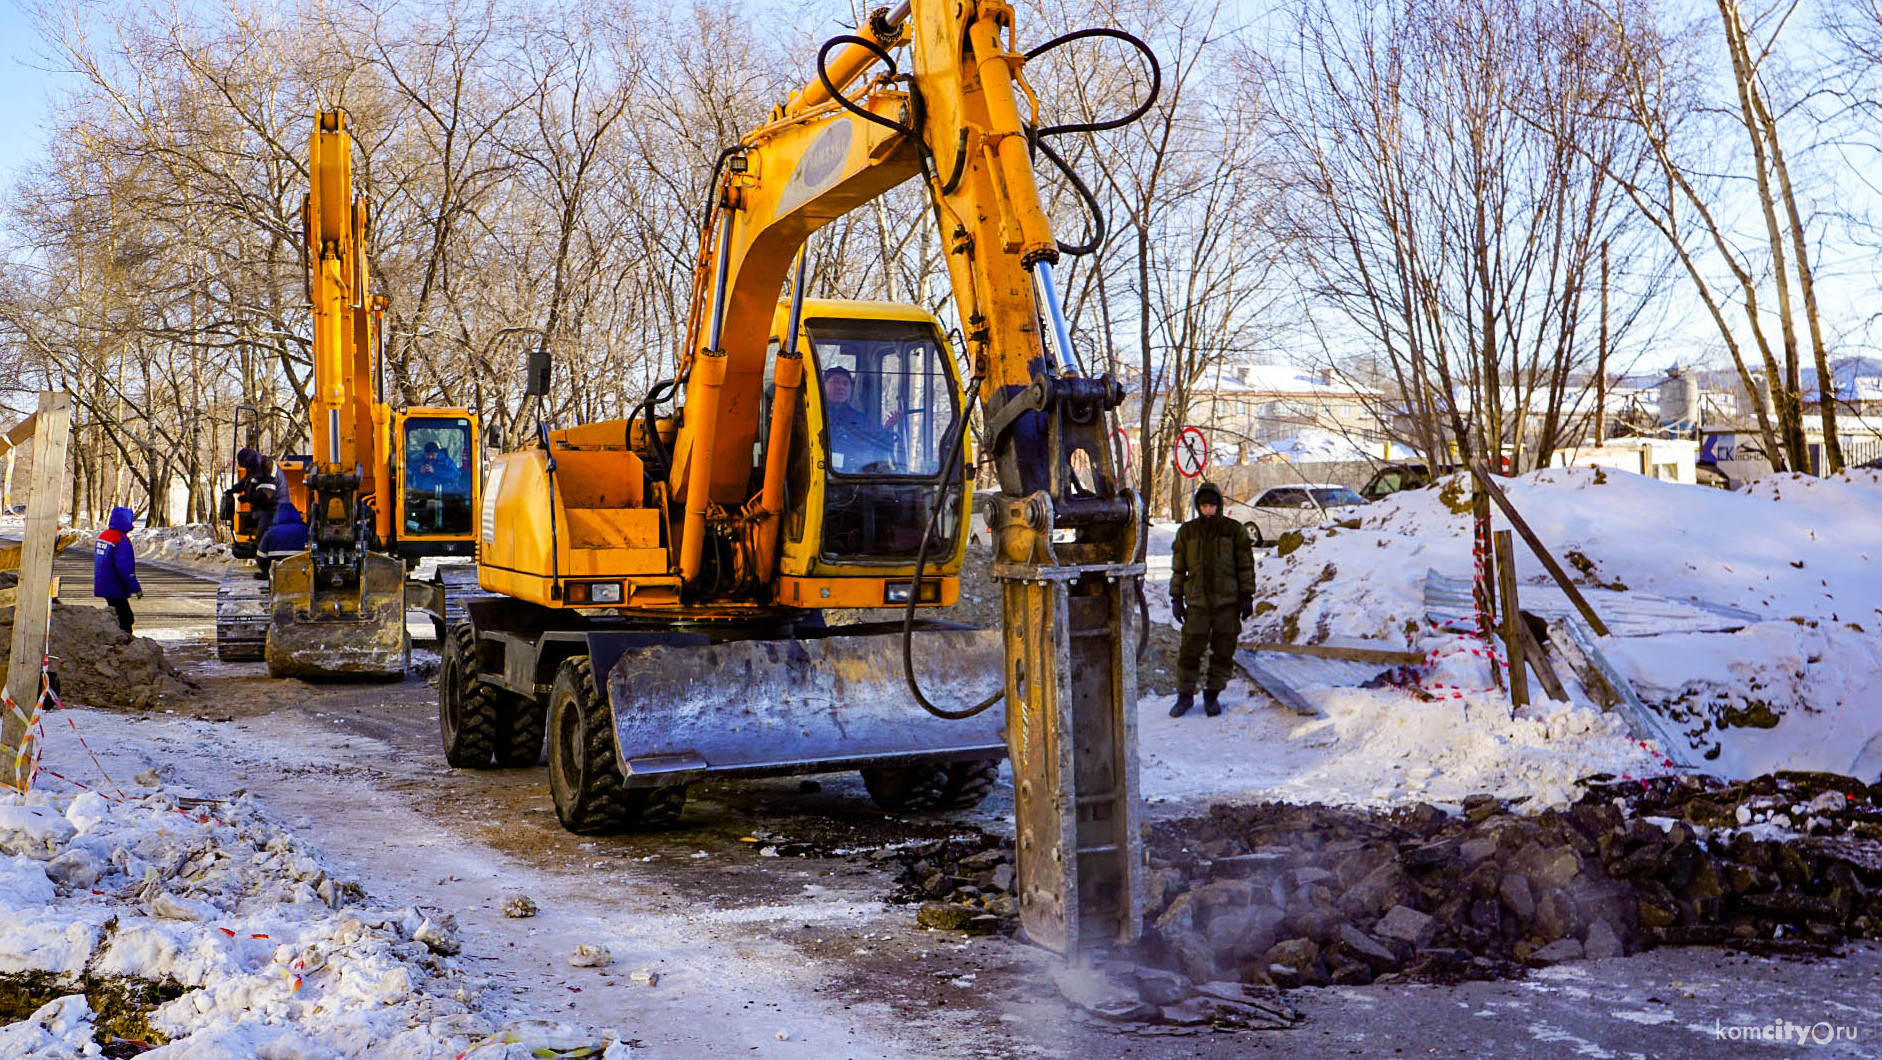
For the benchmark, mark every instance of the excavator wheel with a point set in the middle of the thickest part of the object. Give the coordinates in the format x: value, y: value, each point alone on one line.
x: 585, y: 772
x: 932, y: 785
x: 467, y: 707
x: 520, y: 725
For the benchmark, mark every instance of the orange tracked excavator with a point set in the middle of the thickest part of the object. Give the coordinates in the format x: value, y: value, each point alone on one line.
x: 661, y: 577
x: 382, y: 486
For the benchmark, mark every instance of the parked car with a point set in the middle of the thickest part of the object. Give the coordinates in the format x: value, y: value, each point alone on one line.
x: 1278, y: 509
x: 1394, y: 477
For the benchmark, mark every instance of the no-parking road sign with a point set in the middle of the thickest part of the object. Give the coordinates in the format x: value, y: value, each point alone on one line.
x: 1192, y: 452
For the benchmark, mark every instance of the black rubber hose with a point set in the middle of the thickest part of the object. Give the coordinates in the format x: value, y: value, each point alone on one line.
x: 1156, y: 78
x: 712, y: 186
x: 823, y: 76
x: 1096, y: 212
x: 921, y: 563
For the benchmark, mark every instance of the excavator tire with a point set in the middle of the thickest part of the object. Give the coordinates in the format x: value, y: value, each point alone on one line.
x: 932, y: 785
x: 520, y: 725
x: 584, y: 770
x: 467, y: 707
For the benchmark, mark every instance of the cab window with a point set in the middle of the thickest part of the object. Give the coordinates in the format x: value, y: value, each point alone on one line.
x: 888, y: 401
x: 889, y: 410
x: 437, y: 476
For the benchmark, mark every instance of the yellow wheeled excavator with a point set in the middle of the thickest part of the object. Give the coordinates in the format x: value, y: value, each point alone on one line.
x: 660, y: 578
x: 381, y: 487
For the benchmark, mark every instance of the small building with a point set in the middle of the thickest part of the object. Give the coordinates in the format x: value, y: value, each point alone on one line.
x: 1667, y: 459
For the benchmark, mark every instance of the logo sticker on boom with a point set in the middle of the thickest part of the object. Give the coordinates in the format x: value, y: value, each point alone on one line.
x: 820, y: 167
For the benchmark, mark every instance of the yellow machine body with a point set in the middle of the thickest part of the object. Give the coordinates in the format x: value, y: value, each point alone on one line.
x: 596, y: 532
x: 379, y: 485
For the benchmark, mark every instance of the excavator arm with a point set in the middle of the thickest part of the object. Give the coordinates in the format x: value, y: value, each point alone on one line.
x: 1065, y: 529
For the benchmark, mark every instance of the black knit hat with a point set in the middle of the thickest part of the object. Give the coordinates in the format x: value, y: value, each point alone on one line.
x: 1206, y: 492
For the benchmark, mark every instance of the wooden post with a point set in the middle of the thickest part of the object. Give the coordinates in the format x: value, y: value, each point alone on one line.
x: 1536, y: 650
x: 1535, y: 545
x: 51, y: 436
x: 1484, y: 566
x: 1601, y: 359
x: 1513, y: 631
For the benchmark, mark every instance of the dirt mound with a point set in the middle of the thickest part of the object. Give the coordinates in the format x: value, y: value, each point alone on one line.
x: 99, y: 665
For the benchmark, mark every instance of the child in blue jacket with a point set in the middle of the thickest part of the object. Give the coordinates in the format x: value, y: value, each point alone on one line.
x: 114, y: 567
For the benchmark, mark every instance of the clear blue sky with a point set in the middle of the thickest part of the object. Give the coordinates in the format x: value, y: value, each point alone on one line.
x: 23, y: 91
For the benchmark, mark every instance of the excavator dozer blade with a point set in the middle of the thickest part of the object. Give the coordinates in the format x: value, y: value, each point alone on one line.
x: 320, y: 633
x: 757, y: 707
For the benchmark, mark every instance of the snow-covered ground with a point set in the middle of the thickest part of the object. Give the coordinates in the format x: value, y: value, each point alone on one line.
x: 274, y: 955
x: 1791, y: 691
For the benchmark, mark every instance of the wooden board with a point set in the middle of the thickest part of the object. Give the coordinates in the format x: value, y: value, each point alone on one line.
x: 52, y: 434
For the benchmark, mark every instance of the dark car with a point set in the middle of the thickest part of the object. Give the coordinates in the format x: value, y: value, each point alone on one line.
x: 1395, y: 477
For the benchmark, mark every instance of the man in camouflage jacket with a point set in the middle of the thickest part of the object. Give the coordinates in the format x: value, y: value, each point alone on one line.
x: 1212, y: 590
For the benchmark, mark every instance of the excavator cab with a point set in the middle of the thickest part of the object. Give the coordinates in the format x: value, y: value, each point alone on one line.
x: 879, y: 408
x: 889, y: 402
x: 437, y: 482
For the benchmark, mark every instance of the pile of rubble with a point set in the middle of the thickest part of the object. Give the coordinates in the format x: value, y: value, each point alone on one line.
x: 1293, y: 895
x: 964, y: 883
x: 99, y: 665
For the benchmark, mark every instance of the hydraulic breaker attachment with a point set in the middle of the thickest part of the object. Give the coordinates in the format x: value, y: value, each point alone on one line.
x: 320, y: 631
x: 1071, y: 691
x: 792, y: 706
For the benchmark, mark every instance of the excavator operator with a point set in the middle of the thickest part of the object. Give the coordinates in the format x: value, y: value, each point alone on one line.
x: 860, y: 443
x: 261, y: 487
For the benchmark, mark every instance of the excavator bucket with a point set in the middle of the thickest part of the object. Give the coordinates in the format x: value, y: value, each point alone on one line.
x: 796, y: 706
x: 321, y: 633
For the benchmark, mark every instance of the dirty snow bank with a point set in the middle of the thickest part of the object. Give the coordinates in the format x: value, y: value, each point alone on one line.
x: 267, y: 953
x: 1789, y: 692
x: 193, y: 544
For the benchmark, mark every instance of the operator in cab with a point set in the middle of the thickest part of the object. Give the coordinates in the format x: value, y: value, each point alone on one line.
x: 262, y: 487
x: 856, y: 440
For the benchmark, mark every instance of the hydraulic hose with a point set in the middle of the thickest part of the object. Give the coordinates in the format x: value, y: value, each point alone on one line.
x: 921, y: 562
x: 823, y: 76
x: 1036, y: 138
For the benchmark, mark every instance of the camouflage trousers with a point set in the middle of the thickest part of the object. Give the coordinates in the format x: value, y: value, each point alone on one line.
x: 1214, y: 631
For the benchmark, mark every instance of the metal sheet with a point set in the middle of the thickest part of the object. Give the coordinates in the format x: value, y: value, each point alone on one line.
x: 799, y: 706
x: 1627, y: 614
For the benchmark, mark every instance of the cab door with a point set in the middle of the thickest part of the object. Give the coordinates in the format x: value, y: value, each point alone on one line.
x: 438, y: 482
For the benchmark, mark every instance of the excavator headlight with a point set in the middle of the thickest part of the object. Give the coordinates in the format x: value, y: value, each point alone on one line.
x: 604, y: 592
x: 897, y: 592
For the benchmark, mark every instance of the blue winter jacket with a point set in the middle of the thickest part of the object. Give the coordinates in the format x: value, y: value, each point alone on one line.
x: 287, y: 535
x: 114, y: 566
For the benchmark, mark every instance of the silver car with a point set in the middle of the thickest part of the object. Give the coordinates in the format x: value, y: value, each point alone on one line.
x: 1278, y: 509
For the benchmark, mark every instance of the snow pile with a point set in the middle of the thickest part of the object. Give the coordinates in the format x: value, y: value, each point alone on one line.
x: 1786, y: 692
x: 193, y: 543
x: 262, y: 952
x: 1380, y: 747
